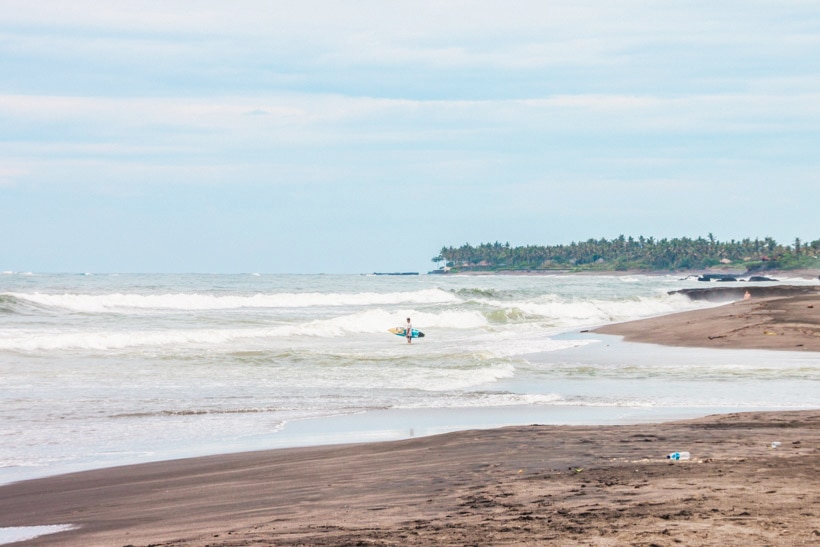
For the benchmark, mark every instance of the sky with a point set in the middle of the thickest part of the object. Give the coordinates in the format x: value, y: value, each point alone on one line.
x: 319, y: 136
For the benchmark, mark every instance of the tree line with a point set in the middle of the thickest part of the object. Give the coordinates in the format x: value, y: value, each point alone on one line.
x: 629, y: 253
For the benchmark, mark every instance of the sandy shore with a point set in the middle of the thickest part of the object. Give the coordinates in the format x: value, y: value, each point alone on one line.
x: 781, y: 318
x: 558, y: 485
x: 523, y: 485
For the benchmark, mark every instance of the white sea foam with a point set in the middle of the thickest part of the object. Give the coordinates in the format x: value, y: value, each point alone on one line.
x: 450, y: 379
x: 798, y: 280
x: 106, y: 340
x: 24, y: 533
x: 575, y: 312
x: 370, y: 321
x: 513, y: 347
x: 441, y: 379
x: 376, y: 320
x: 123, y: 303
x: 486, y: 399
x: 103, y: 370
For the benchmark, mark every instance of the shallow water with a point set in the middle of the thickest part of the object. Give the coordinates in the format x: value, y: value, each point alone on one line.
x: 100, y: 370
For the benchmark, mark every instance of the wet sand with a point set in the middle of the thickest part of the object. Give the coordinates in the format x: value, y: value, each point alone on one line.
x: 779, y: 318
x: 561, y: 485
x: 522, y: 485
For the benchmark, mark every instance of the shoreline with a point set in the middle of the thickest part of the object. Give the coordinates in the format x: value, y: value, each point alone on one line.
x: 513, y: 485
x: 810, y: 274
x: 399, y: 424
x: 782, y: 319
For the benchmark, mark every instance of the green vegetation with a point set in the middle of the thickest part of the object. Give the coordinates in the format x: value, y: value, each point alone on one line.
x: 628, y: 253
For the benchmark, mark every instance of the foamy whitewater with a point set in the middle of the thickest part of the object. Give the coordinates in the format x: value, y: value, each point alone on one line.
x: 100, y: 370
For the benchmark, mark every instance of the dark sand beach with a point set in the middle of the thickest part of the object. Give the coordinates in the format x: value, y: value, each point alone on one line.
x: 523, y: 485
x: 779, y: 318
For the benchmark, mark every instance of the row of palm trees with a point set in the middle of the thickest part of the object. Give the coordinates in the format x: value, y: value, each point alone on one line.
x: 628, y: 253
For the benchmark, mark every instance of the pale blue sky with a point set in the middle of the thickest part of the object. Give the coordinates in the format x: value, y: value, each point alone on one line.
x: 359, y: 136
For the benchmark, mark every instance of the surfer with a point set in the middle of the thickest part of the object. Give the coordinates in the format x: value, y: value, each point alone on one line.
x: 408, y: 331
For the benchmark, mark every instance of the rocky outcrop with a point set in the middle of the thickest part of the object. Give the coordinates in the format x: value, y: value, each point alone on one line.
x: 760, y: 278
x: 717, y: 277
x: 728, y: 294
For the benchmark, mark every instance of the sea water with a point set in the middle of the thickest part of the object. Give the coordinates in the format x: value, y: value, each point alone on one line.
x: 106, y: 369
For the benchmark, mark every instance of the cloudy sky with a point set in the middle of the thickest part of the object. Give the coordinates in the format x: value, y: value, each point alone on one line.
x: 356, y: 136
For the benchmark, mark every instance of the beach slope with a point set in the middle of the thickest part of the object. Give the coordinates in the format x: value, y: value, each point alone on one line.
x: 536, y: 484
x: 784, y: 319
x: 563, y: 485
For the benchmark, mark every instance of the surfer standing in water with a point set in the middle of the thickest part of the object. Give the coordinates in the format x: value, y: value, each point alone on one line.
x: 408, y: 331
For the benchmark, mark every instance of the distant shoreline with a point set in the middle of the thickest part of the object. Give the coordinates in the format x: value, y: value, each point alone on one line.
x: 798, y: 273
x: 629, y: 253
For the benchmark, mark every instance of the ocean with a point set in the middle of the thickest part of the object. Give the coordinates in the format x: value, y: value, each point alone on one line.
x: 110, y: 369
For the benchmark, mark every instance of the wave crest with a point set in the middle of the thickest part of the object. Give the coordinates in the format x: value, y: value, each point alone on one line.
x: 124, y: 303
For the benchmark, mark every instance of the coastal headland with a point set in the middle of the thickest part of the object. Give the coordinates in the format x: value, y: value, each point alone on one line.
x: 753, y: 478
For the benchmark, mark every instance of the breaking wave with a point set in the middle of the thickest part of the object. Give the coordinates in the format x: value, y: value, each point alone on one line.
x: 123, y: 303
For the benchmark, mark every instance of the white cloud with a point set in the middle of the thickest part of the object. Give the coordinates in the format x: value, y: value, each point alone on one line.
x: 479, y: 34
x: 586, y: 110
x: 177, y: 124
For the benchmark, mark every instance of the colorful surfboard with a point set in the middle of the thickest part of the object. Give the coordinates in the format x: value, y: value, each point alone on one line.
x: 400, y: 331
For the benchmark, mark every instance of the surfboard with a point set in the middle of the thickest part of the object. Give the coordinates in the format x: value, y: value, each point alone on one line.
x: 399, y: 331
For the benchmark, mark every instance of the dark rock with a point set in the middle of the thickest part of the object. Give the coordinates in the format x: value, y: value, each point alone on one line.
x: 717, y: 277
